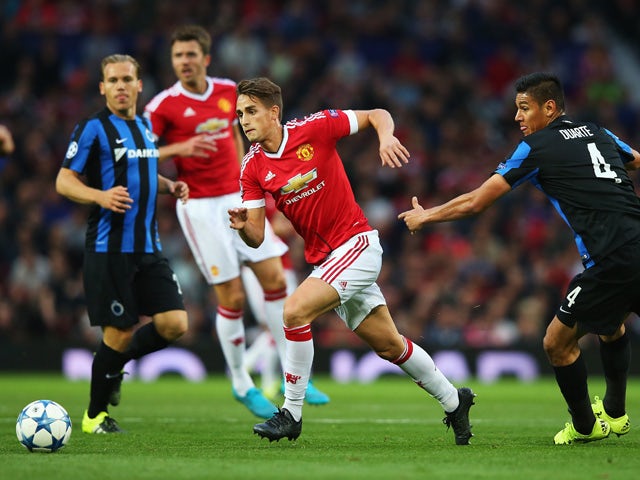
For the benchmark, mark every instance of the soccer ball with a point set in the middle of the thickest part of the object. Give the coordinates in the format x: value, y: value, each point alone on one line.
x: 43, y: 426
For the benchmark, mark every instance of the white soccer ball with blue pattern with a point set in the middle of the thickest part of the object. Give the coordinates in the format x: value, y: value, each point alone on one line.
x: 43, y: 426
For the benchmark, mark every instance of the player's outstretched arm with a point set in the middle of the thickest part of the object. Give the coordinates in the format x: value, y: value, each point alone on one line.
x: 462, y: 206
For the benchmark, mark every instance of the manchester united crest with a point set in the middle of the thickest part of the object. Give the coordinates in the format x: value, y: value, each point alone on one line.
x: 305, y: 152
x: 224, y: 105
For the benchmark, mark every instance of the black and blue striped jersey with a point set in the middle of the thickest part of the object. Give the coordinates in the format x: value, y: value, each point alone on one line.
x: 111, y: 151
x: 580, y: 168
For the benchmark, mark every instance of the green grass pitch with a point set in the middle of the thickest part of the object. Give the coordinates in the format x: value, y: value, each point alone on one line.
x: 388, y: 429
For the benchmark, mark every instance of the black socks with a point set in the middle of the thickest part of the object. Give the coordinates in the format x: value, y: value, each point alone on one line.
x: 572, y: 380
x: 105, y: 371
x: 616, y: 357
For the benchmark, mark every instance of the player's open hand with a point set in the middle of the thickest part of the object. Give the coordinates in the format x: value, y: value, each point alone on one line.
x: 199, y: 146
x: 393, y: 153
x: 413, y: 218
x: 116, y: 199
x: 237, y: 217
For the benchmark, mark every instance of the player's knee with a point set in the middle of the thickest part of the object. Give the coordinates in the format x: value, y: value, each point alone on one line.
x: 233, y: 301
x: 559, y: 354
x: 231, y: 295
x: 388, y: 349
x: 294, y: 314
x: 181, y: 327
x: 273, y: 280
x: 280, y: 283
x: 292, y: 318
x: 549, y: 346
x: 117, y: 339
x: 175, y: 327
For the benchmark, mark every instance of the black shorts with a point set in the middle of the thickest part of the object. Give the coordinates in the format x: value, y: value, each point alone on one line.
x: 120, y: 287
x: 600, y: 298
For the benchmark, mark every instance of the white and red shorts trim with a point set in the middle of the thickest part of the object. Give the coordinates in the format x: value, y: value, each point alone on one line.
x: 352, y: 270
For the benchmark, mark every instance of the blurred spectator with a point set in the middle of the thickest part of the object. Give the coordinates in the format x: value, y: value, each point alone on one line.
x: 241, y: 53
x: 6, y: 141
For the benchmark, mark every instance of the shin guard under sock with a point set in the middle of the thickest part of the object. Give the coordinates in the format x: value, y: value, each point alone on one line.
x: 572, y: 380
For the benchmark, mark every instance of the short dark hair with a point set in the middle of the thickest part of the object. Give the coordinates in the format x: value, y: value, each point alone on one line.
x: 542, y: 86
x: 186, y: 33
x: 119, y: 58
x: 264, y: 90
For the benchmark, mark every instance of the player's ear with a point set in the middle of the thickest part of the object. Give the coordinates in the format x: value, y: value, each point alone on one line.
x: 550, y: 108
x: 139, y: 86
x: 101, y: 88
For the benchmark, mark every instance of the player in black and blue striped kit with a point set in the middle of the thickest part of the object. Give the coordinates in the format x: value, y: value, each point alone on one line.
x: 582, y: 169
x: 112, y: 165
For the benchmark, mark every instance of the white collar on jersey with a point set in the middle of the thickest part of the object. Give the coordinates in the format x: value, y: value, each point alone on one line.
x: 285, y: 139
x: 196, y: 96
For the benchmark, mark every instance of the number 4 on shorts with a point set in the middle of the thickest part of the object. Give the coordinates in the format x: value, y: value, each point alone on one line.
x: 571, y: 296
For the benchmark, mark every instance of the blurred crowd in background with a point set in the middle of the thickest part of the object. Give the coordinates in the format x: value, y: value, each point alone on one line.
x: 443, y: 68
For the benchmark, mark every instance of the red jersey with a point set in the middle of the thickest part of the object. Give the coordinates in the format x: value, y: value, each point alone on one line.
x: 308, y: 182
x: 177, y: 114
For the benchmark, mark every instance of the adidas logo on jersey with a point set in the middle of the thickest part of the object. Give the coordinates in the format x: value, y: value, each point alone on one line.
x: 189, y: 112
x: 269, y: 176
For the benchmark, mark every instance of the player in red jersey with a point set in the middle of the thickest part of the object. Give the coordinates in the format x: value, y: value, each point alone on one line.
x: 196, y: 121
x: 299, y: 166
